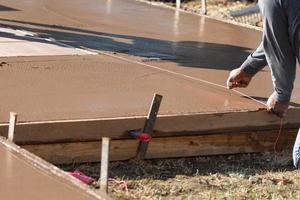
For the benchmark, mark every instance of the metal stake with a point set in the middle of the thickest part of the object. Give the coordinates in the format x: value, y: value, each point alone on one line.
x: 149, y: 125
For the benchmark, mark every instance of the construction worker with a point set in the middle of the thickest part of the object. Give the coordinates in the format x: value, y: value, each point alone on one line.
x: 279, y: 50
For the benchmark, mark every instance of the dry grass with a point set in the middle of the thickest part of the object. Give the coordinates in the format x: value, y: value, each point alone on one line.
x: 248, y: 176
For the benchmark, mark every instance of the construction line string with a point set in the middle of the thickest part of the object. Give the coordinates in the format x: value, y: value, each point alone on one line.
x: 183, y: 75
x: 278, y: 136
x: 199, y: 80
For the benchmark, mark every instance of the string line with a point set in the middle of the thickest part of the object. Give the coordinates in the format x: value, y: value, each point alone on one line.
x: 183, y: 75
x: 199, y: 80
x: 278, y: 136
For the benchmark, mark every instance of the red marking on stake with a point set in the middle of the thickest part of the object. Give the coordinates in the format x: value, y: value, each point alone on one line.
x: 144, y: 137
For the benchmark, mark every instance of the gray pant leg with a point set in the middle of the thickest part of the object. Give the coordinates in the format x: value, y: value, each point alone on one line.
x: 296, y: 151
x: 278, y: 49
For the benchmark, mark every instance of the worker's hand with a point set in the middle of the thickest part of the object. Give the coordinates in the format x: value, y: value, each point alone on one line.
x: 276, y: 107
x: 238, y: 78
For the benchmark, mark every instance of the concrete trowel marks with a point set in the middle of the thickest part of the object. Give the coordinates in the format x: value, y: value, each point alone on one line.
x: 22, y: 43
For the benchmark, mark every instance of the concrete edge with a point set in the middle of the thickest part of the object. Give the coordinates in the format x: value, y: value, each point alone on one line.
x: 168, y: 125
x: 50, y: 169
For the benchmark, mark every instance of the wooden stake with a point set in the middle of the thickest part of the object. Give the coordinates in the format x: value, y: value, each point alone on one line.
x: 104, y: 164
x: 12, y: 125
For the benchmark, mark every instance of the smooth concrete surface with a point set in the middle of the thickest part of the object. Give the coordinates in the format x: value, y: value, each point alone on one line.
x: 27, y: 180
x: 21, y: 43
x: 99, y: 86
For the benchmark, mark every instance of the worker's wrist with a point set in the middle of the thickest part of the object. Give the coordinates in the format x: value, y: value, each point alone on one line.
x: 251, y: 66
x: 248, y: 69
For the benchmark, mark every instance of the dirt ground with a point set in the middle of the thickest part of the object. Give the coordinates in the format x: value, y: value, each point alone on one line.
x: 247, y: 176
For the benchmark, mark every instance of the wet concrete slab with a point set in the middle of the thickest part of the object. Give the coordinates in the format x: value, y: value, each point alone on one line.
x: 41, y: 89
x: 100, y: 86
x: 16, y: 43
x: 113, y: 26
x: 22, y: 178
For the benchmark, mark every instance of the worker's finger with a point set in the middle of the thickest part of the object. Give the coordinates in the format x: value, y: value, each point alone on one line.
x: 241, y: 84
x: 229, y: 85
x: 232, y: 85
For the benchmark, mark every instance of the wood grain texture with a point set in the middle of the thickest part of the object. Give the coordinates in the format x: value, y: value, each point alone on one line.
x: 167, y: 147
x: 177, y: 125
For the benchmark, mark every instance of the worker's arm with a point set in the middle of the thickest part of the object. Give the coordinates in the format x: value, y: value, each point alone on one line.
x: 255, y: 61
x: 242, y: 76
x: 282, y: 69
x: 282, y: 75
x: 280, y: 40
x: 283, y: 79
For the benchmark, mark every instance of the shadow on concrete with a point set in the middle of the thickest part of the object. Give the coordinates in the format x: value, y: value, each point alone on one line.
x: 5, y: 8
x: 185, y: 53
x: 27, y: 38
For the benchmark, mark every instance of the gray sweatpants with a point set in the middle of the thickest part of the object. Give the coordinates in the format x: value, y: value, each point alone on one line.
x: 280, y: 45
x: 296, y: 151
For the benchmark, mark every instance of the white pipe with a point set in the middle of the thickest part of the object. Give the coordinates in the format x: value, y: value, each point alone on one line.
x: 203, y: 7
x: 178, y: 2
x: 12, y: 126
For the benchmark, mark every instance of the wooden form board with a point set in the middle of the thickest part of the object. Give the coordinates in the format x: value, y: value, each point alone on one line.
x: 168, y: 147
x: 175, y: 125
